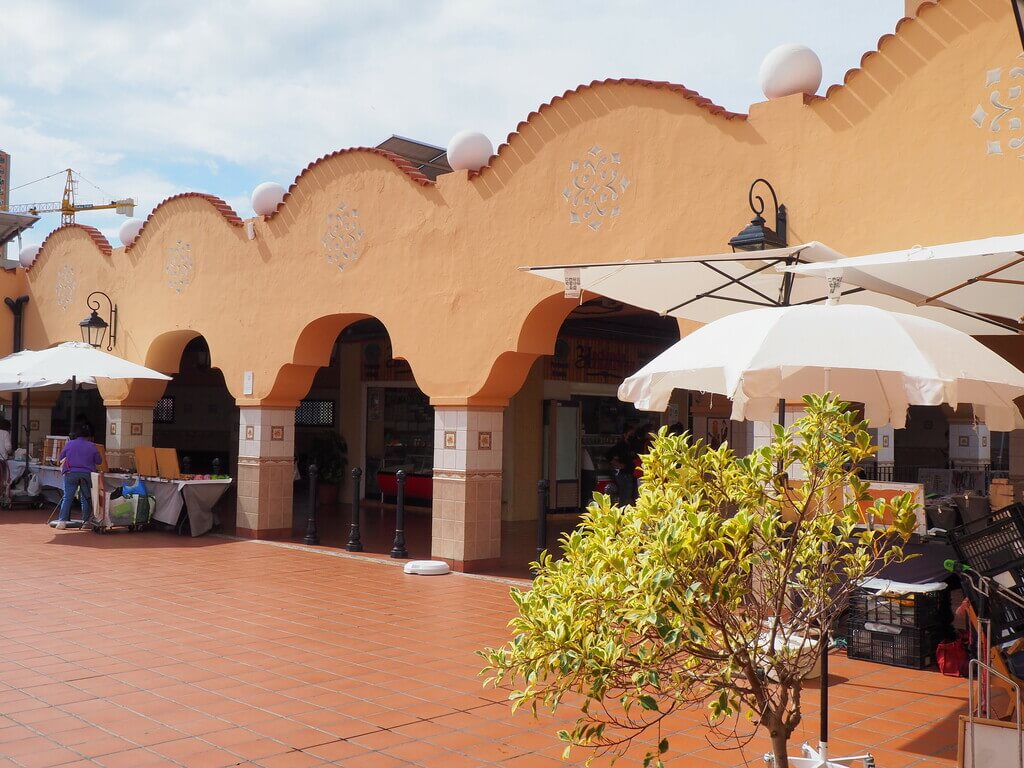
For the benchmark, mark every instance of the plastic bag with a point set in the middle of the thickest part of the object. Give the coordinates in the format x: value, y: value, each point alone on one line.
x: 953, y: 657
x: 33, y: 487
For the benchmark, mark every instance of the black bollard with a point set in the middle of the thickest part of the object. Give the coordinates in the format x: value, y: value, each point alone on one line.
x: 311, y: 534
x: 542, y: 516
x: 398, y: 549
x: 355, y: 542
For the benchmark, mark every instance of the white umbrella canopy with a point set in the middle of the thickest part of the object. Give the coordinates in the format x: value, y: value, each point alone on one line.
x: 73, y: 360
x: 980, y: 276
x: 707, y: 288
x: 886, y: 360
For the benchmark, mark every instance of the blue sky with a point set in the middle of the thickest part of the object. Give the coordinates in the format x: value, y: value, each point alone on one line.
x: 151, y: 98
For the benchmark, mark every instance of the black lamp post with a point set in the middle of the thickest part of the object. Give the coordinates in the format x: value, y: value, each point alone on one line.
x: 756, y: 236
x: 1018, y: 12
x: 94, y: 328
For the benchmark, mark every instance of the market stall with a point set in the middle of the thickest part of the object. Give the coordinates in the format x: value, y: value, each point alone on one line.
x: 197, y: 497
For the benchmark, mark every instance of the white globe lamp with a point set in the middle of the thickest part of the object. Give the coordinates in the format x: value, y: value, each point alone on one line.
x: 790, y: 69
x: 27, y: 255
x: 129, y: 231
x: 266, y: 197
x: 469, y: 151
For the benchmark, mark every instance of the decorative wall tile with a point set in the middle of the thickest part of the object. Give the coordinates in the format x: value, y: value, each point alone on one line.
x: 483, y: 441
x: 596, y: 187
x: 1000, y: 113
x: 342, y: 240
x: 136, y: 428
x: 250, y: 432
x: 65, y: 287
x: 449, y: 440
x: 277, y: 434
x: 179, y: 266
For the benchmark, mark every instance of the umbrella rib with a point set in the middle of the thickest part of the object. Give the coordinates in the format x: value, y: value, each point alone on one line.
x: 732, y: 281
x: 977, y: 278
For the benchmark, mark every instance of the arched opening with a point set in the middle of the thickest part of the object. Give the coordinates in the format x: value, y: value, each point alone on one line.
x: 363, y: 409
x: 197, y: 416
x: 565, y: 421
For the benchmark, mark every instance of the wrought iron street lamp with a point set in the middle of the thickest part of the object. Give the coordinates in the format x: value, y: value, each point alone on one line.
x: 1018, y: 12
x: 94, y: 328
x: 757, y: 236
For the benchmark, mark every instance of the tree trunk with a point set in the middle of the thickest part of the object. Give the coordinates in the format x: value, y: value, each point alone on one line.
x: 780, y: 743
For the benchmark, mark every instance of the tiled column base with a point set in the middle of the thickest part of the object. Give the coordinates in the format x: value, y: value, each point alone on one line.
x: 128, y: 427
x: 467, y: 487
x: 266, y: 446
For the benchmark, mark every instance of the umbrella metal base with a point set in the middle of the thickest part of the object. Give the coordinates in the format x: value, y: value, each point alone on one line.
x: 818, y: 758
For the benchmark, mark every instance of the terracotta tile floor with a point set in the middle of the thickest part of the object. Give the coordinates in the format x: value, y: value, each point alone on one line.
x: 149, y: 649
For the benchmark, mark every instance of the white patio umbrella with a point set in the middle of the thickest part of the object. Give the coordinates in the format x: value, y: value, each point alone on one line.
x: 706, y: 288
x: 71, y: 361
x: 977, y: 276
x: 886, y: 360
x: 74, y: 361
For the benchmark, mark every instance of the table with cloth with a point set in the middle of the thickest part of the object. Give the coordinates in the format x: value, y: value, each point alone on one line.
x: 198, y: 497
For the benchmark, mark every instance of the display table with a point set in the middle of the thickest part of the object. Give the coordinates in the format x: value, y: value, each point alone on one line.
x: 198, y: 497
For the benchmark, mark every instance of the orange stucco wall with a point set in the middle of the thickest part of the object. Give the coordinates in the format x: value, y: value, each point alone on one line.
x: 886, y: 160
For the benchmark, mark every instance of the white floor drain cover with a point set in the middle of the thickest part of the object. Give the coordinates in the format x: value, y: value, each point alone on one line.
x: 427, y: 567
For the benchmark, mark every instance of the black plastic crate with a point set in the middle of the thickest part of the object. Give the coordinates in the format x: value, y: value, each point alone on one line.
x: 922, y: 610
x: 993, y: 544
x: 1007, y: 619
x: 908, y: 647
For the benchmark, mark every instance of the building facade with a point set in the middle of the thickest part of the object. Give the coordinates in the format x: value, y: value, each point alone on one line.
x: 921, y: 143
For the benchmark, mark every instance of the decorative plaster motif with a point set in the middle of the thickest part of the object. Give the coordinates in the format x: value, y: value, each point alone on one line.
x: 179, y: 267
x: 596, y: 186
x: 65, y: 286
x: 1004, y: 100
x: 342, y: 238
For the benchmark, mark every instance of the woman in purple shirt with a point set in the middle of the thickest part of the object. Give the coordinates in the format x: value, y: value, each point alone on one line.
x: 79, y: 460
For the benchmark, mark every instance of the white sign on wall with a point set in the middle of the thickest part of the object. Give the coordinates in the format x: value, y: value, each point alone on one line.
x: 247, y: 383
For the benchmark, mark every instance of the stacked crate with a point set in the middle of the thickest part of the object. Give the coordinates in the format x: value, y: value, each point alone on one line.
x: 899, y: 629
x: 994, y: 547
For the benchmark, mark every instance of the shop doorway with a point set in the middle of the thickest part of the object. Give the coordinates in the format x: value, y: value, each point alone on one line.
x: 197, y: 415
x: 364, y: 410
x: 589, y: 435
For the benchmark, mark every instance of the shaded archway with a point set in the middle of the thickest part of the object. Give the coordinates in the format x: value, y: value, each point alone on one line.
x: 196, y: 415
x: 361, y: 408
x: 566, y: 416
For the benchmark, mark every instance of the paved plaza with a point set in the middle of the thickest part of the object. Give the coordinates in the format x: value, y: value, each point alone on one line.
x: 155, y: 650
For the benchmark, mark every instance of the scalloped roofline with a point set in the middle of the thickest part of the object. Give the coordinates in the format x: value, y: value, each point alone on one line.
x: 102, y: 244
x: 225, y: 210
x: 865, y: 60
x: 399, y: 162
x: 687, y: 93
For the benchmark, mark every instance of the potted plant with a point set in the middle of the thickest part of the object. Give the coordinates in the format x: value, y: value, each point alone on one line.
x: 329, y: 453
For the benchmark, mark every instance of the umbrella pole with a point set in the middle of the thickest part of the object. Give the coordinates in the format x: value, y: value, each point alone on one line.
x: 74, y: 393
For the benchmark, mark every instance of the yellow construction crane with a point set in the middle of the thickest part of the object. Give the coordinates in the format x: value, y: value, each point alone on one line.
x: 68, y: 206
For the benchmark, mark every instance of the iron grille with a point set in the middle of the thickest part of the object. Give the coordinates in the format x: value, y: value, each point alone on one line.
x: 315, y: 413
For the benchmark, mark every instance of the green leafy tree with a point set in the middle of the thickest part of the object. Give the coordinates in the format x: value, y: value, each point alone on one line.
x: 709, y: 590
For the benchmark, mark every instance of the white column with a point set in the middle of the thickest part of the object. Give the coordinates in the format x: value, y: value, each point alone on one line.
x: 128, y: 427
x: 467, y: 486
x: 266, y: 450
